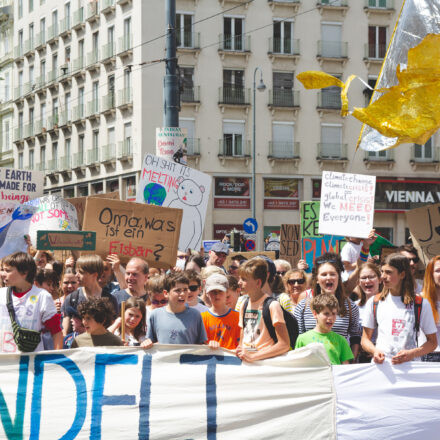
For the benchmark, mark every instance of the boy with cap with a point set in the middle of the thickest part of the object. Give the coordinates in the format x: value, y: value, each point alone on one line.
x: 221, y: 323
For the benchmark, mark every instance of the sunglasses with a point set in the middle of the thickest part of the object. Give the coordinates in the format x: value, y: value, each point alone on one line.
x: 193, y: 288
x: 233, y: 268
x: 281, y: 272
x: 162, y: 301
x: 293, y: 282
x: 414, y: 259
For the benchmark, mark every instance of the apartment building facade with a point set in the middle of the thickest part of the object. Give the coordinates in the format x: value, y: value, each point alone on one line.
x: 89, y: 98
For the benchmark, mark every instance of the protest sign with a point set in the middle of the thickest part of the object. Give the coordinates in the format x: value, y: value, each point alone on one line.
x: 15, y: 220
x: 66, y: 240
x: 171, y: 144
x: 130, y: 229
x: 20, y: 186
x: 174, y: 185
x: 347, y: 204
x: 378, y: 244
x: 53, y: 214
x: 80, y: 204
x: 290, y: 244
x: 309, y: 215
x: 424, y: 224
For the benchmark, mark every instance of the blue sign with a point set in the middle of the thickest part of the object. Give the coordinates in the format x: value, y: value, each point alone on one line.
x: 249, y: 245
x: 250, y: 225
x: 207, y: 244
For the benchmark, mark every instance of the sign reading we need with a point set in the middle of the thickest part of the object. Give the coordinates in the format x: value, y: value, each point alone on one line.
x: 347, y: 204
x: 20, y: 186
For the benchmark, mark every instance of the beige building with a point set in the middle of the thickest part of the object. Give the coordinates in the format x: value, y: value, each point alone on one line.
x: 90, y: 97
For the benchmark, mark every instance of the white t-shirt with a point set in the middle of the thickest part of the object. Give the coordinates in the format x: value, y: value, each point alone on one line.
x: 350, y: 252
x: 396, y: 324
x: 31, y: 311
x: 422, y: 337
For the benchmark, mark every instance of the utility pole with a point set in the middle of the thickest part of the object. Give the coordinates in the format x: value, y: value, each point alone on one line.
x: 171, y: 81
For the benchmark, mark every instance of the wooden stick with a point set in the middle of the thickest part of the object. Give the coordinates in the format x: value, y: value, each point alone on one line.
x: 123, y: 320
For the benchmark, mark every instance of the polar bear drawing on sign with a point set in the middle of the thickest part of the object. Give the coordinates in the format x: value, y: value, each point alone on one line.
x: 189, y: 197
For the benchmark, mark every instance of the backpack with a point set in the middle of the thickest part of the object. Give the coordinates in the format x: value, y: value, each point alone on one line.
x: 290, y: 320
x: 418, y: 300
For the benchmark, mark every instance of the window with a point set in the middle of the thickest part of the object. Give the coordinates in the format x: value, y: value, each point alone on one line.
x: 424, y: 152
x: 81, y: 149
x: 111, y: 35
x: 31, y: 35
x: 331, y: 141
x: 43, y: 114
x: 331, y: 45
x: 20, y: 123
x: 184, y: 35
x: 7, y: 87
x: 20, y: 160
x: 31, y: 5
x: 67, y: 54
x: 187, y: 94
x: 31, y: 119
x: 55, y: 22
x: 42, y: 31
x: 67, y: 148
x: 42, y: 70
x: 127, y: 79
x: 282, y: 140
x: 282, y: 89
x: 377, y: 3
x: 81, y: 50
x: 42, y: 155
x: 378, y: 155
x: 7, y: 142
x: 31, y: 75
x: 55, y: 110
x: 95, y: 139
x: 233, y: 86
x: 95, y: 45
x: 127, y: 29
x: 233, y: 138
x: 54, y: 66
x: 368, y: 93
x: 55, y: 151
x: 20, y: 41
x: 111, y: 89
x: 95, y: 91
x: 20, y: 8
x: 111, y: 136
x: 67, y: 14
x: 31, y: 159
x: 68, y: 107
x: 20, y: 82
x: 81, y: 101
x: 330, y: 97
x: 233, y: 33
x: 189, y: 125
x: 377, y: 41
x: 6, y: 42
x: 127, y: 138
x: 282, y: 36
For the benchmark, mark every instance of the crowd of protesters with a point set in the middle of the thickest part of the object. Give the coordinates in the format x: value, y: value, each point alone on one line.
x: 360, y: 308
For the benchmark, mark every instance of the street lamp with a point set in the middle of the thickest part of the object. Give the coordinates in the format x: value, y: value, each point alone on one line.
x: 261, y: 86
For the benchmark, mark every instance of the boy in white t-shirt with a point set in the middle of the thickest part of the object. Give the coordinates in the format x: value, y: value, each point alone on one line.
x: 34, y: 307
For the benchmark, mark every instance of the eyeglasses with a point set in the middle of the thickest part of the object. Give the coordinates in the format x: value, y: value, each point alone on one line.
x: 162, y: 301
x: 414, y: 260
x: 369, y: 277
x: 293, y: 282
x: 281, y: 272
x: 193, y: 288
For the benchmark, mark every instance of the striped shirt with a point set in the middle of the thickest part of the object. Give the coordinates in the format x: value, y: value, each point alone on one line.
x: 344, y: 326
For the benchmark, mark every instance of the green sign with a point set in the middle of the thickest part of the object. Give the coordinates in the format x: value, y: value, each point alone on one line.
x: 66, y: 240
x: 309, y: 219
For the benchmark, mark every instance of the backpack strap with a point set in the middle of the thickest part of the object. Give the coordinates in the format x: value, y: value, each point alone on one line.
x: 246, y: 302
x: 268, y: 319
x: 375, y: 304
x: 418, y: 301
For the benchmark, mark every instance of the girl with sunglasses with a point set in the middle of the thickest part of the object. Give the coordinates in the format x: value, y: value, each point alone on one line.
x: 155, y: 293
x: 326, y: 278
x: 295, y: 283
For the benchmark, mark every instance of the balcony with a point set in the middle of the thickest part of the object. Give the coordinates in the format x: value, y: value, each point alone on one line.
x: 332, y: 51
x: 283, y: 151
x: 92, y: 12
x: 52, y: 123
x: 109, y: 154
x: 78, y: 69
x: 52, y: 34
x: 283, y: 48
x: 78, y: 161
x: 108, y: 7
x: 379, y: 7
x: 190, y: 96
x: 52, y: 80
x: 7, y: 158
x: 41, y: 41
x: 65, y: 27
x: 18, y: 95
x: 65, y: 119
x: 332, y: 5
x: 125, y: 46
x: 108, y: 104
x: 239, y: 45
x: 40, y: 83
x: 93, y: 61
x: 28, y: 89
x: 424, y: 157
x: 65, y: 165
x: 66, y: 75
x: 125, y: 150
x: 18, y: 135
x: 40, y: 128
x: 109, y: 54
x: 52, y: 166
x: 233, y: 149
x: 78, y: 115
x: 189, y: 43
x: 93, y: 157
x: 332, y: 153
x: 384, y: 158
x: 6, y: 58
x: 29, y: 131
x: 93, y: 109
x: 329, y: 100
x: 40, y: 166
x: 18, y: 54
x: 29, y: 49
x: 283, y: 99
x: 78, y: 19
x: 234, y: 96
x: 125, y: 99
x: 193, y: 147
x: 374, y: 53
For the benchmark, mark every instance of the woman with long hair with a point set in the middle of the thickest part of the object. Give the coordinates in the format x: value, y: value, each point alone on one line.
x: 295, y: 283
x: 398, y: 314
x: 326, y: 278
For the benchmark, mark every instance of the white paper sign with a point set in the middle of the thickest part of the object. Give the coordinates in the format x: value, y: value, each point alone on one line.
x: 171, y: 144
x: 173, y: 185
x: 347, y: 204
x: 53, y: 214
x: 20, y: 186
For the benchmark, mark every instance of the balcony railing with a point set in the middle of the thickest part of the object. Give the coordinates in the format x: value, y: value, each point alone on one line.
x: 284, y: 1
x: 379, y: 4
x: 125, y: 97
x: 92, y: 156
x: 29, y: 45
x: 234, y: 147
x: 53, y: 121
x: 93, y: 57
x: 39, y: 126
x: 125, y: 43
x: 65, y: 25
x: 40, y: 82
x: 78, y: 159
x: 65, y: 163
x: 379, y: 156
x: 332, y: 151
x: 234, y: 95
x: 93, y: 107
x: 65, y: 117
x: 283, y: 46
x: 332, y: 3
x: 108, y: 102
x: 125, y: 148
x: 52, y: 32
x: 41, y: 166
x: 52, y: 165
x: 78, y: 113
x: 190, y: 94
x: 193, y: 146
x: 375, y: 51
x: 283, y: 150
x: 284, y: 98
x: 78, y: 18
x: 78, y: 64
x: 330, y: 99
x: 29, y: 130
x: 424, y: 153
x: 52, y: 76
x: 332, y: 49
x: 190, y: 40
x: 108, y: 51
x: 18, y: 92
x: 92, y: 10
x: 237, y: 43
x: 40, y: 40
x: 108, y: 152
x: 107, y: 5
x: 18, y: 51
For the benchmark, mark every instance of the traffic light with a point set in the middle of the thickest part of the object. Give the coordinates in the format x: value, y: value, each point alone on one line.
x: 235, y: 240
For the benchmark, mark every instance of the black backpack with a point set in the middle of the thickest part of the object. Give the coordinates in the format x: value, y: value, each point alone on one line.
x: 289, y: 319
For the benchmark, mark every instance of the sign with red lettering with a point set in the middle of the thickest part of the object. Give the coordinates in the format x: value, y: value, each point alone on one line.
x: 230, y: 203
x: 281, y: 204
x: 347, y: 204
x: 171, y: 144
x: 20, y: 186
x: 130, y: 229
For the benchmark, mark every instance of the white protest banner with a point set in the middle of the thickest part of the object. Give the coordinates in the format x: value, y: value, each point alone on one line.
x: 173, y: 185
x: 15, y: 220
x: 20, y: 186
x: 53, y: 214
x: 347, y: 204
x: 171, y: 144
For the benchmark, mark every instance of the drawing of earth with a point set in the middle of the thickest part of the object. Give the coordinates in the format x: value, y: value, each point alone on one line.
x: 154, y: 194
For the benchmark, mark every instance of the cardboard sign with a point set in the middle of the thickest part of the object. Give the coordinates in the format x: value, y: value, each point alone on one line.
x: 290, y: 244
x: 424, y: 224
x: 20, y: 186
x: 165, y: 183
x: 53, y: 214
x: 171, y: 144
x: 248, y: 255
x: 130, y: 229
x: 309, y: 215
x: 347, y: 204
x: 80, y: 203
x: 385, y: 251
x: 66, y: 240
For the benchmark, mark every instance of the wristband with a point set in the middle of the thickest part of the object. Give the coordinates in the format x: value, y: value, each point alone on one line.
x: 363, y: 256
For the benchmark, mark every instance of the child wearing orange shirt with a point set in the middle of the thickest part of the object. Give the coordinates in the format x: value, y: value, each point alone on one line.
x: 221, y: 322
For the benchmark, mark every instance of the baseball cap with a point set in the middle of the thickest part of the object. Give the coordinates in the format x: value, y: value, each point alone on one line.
x: 220, y: 247
x: 71, y: 312
x: 216, y: 281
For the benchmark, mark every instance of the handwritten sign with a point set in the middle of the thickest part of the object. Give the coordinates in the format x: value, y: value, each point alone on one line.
x: 130, y: 229
x: 347, y: 204
x: 309, y: 214
x: 80, y: 204
x: 424, y: 224
x: 171, y: 144
x: 290, y: 244
x: 20, y: 186
x: 53, y: 214
x: 66, y: 241
x: 170, y: 184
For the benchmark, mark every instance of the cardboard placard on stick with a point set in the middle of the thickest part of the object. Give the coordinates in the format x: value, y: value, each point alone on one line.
x: 290, y: 244
x: 130, y: 229
x: 66, y: 240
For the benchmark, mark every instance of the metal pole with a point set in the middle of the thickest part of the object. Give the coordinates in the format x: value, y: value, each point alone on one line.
x: 171, y: 83
x: 253, y: 142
